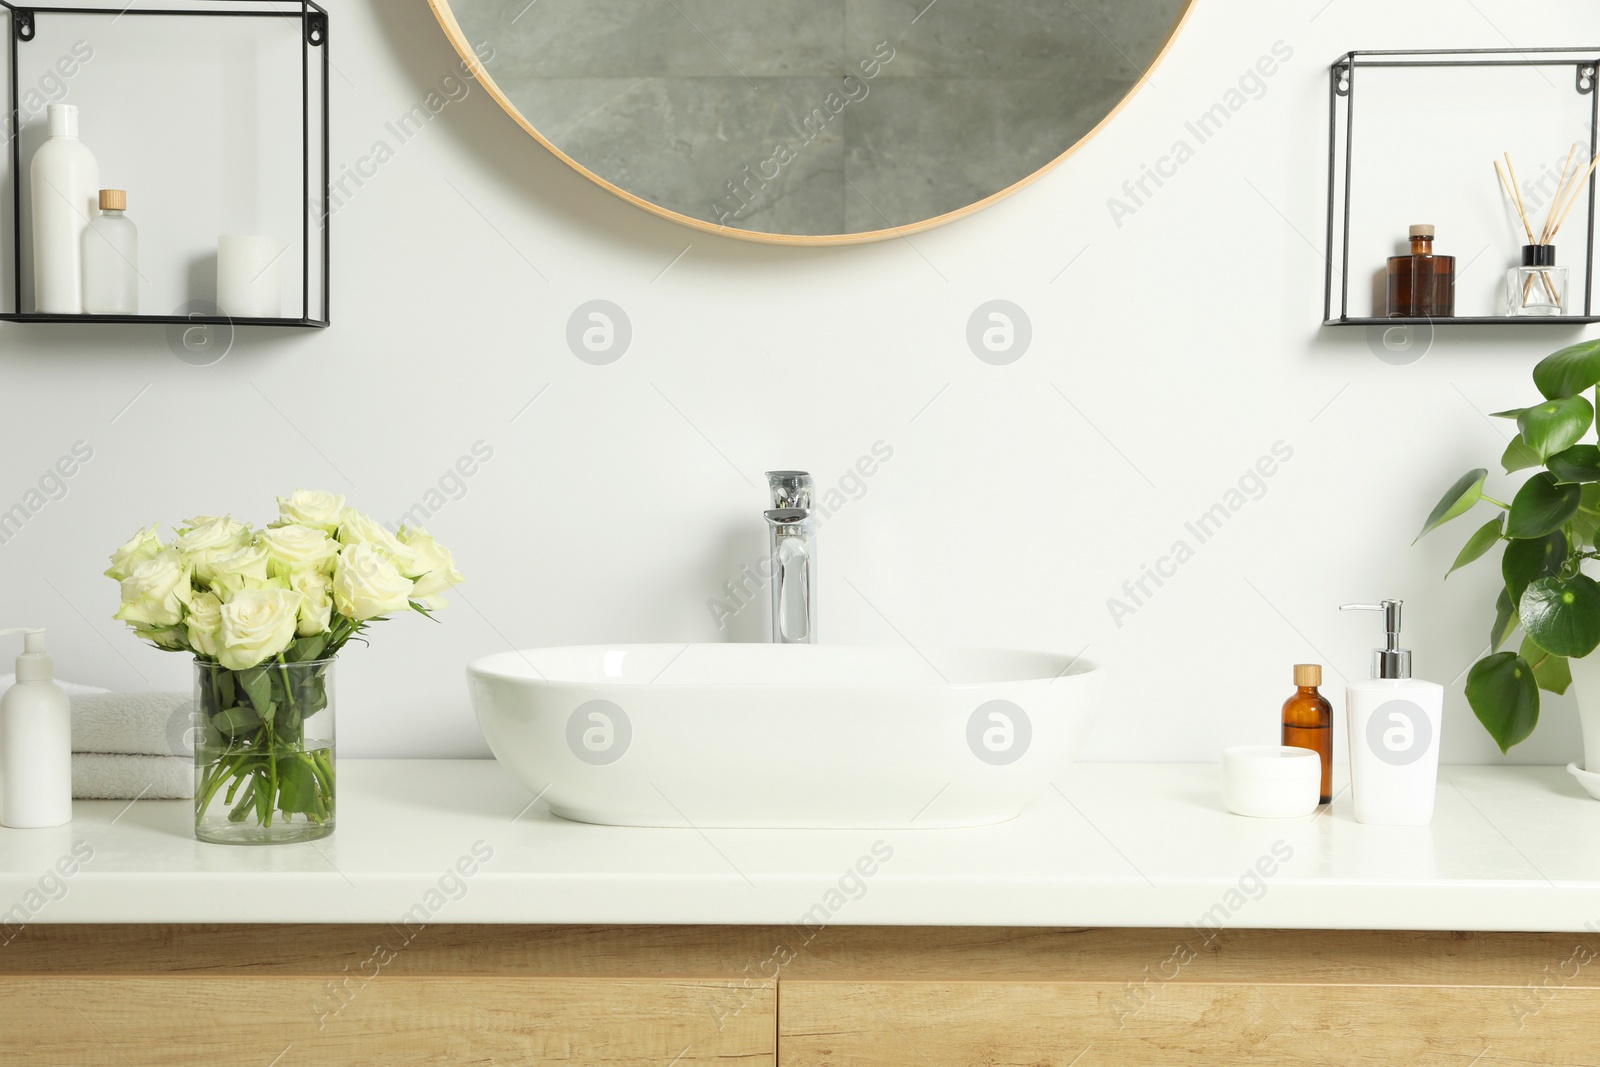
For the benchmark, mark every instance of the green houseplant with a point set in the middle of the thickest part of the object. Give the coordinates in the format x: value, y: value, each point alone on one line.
x: 1547, y: 533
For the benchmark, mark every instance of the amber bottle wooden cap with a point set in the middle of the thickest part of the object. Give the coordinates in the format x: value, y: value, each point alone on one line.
x: 1308, y: 674
x: 113, y: 200
x: 1422, y: 230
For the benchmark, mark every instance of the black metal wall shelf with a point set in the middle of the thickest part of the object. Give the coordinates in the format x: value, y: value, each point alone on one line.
x: 25, y: 25
x: 1578, y: 75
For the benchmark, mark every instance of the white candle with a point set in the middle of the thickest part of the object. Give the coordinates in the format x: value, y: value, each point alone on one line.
x: 249, y: 278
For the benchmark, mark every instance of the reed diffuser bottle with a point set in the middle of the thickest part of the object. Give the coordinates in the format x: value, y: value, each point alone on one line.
x: 1539, y: 287
x: 1422, y: 285
x: 1308, y: 722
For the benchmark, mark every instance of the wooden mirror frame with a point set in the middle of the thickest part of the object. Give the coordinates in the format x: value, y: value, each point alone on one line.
x: 458, y: 39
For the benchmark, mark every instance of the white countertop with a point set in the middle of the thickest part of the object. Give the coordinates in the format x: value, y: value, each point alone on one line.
x: 1510, y: 848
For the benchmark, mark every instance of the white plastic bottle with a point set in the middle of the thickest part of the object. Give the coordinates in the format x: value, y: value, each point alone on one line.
x: 66, y: 181
x: 111, y: 259
x: 35, y: 742
x: 1394, y: 733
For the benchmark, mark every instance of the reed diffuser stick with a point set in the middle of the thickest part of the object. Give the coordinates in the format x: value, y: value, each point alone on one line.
x: 1522, y: 210
x: 1555, y: 202
x: 1577, y: 187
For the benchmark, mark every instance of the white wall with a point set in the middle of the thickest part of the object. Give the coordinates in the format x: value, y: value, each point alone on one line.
x: 1175, y: 350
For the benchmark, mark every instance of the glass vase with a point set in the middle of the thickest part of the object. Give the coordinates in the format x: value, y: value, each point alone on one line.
x: 264, y: 752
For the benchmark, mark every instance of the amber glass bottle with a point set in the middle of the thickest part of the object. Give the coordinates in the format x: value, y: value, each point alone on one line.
x: 1422, y: 285
x: 1308, y: 721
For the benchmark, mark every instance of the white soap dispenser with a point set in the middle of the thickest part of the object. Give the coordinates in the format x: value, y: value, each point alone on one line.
x: 35, y: 742
x: 1394, y: 733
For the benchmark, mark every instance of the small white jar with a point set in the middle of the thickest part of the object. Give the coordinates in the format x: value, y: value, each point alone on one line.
x: 1271, y: 781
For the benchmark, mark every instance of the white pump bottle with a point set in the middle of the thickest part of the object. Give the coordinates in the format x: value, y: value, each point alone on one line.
x: 35, y: 742
x: 1394, y: 733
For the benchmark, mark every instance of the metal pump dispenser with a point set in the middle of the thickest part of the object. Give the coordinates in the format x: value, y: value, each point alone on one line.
x: 1391, y: 661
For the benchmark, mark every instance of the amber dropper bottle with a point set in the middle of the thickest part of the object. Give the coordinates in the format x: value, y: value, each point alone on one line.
x: 1308, y: 721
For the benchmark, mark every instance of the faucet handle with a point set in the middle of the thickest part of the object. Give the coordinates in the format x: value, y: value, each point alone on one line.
x: 790, y: 489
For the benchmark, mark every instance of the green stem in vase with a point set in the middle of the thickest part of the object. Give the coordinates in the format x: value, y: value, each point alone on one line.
x: 272, y: 771
x: 219, y: 772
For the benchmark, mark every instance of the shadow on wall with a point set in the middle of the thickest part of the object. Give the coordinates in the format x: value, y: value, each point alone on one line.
x: 485, y: 138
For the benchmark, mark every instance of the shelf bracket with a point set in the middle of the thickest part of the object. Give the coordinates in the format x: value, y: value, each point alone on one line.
x: 22, y: 23
x: 1341, y: 73
x: 316, y: 29
x: 1586, y: 72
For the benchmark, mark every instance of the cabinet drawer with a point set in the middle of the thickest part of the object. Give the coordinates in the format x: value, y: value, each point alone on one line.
x: 1054, y: 1024
x: 387, y: 1021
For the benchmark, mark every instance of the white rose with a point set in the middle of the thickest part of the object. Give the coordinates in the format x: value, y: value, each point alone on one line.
x: 358, y: 529
x: 294, y: 547
x: 436, y: 569
x: 316, y: 610
x: 140, y: 547
x: 244, y: 569
x: 366, y: 584
x: 257, y: 624
x: 311, y: 507
x: 206, y: 538
x: 204, y: 623
x: 154, y: 594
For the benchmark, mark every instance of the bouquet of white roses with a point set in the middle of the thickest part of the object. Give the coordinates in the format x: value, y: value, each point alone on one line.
x: 249, y: 604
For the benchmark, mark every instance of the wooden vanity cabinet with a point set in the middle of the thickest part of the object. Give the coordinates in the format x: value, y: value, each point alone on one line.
x: 277, y: 996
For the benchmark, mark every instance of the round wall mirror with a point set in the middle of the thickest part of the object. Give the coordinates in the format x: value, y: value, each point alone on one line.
x: 811, y: 121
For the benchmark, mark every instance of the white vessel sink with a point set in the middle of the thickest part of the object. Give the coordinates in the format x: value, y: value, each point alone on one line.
x: 755, y: 735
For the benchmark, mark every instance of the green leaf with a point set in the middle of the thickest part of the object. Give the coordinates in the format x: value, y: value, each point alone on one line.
x: 1569, y: 371
x: 236, y: 720
x: 1485, y: 538
x: 1562, y: 615
x: 1505, y: 620
x: 257, y: 685
x: 305, y: 648
x: 1541, y: 506
x: 1580, y: 463
x: 1555, y: 425
x: 1518, y: 456
x: 1551, y: 671
x: 1504, y: 697
x: 1508, y: 413
x: 297, y: 786
x: 1457, y: 500
x: 1586, y: 523
x: 1528, y: 561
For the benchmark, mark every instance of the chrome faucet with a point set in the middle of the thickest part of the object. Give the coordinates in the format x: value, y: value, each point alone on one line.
x: 793, y: 540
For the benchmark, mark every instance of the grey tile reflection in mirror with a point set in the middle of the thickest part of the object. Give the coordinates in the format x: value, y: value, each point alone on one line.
x: 815, y: 117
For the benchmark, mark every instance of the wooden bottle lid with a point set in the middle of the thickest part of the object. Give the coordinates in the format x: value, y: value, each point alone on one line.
x: 1308, y: 674
x: 113, y: 200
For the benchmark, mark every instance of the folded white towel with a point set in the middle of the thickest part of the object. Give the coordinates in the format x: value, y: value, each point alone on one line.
x: 72, y: 688
x: 107, y: 776
x: 143, y: 724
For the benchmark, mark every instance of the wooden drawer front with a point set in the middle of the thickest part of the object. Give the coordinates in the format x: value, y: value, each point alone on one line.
x: 1056, y: 1024
x: 388, y: 1021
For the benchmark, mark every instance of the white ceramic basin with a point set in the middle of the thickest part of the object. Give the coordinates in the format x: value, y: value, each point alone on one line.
x: 755, y: 735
